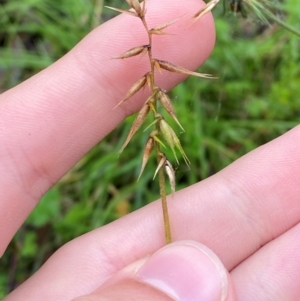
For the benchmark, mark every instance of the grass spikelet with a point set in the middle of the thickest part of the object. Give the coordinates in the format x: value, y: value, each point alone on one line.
x: 158, y: 30
x: 174, y: 68
x: 137, y: 86
x: 172, y: 140
x: 147, y: 152
x: 135, y: 4
x: 167, y: 104
x: 133, y: 52
x: 171, y: 175
x: 156, y: 65
x: 131, y: 13
x: 206, y: 9
x: 141, y: 117
x: 160, y: 164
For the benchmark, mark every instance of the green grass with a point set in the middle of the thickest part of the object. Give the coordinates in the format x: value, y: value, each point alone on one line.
x: 255, y: 99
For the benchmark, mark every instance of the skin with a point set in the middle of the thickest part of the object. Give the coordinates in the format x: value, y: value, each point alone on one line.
x: 248, y: 213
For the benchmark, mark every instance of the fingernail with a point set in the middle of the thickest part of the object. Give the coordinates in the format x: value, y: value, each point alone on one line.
x: 186, y: 271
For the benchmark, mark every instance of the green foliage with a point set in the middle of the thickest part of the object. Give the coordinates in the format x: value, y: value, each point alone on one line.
x: 35, y: 33
x: 254, y: 100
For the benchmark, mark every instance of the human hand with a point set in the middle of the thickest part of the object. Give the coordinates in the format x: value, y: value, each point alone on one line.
x: 247, y: 214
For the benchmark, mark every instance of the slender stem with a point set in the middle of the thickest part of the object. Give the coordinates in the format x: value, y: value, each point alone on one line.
x: 164, y: 203
x: 162, y: 184
x: 150, y: 53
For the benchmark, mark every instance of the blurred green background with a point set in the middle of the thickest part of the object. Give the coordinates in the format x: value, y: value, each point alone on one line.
x: 255, y: 99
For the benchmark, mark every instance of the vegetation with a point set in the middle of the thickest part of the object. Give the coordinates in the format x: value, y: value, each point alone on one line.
x: 255, y: 99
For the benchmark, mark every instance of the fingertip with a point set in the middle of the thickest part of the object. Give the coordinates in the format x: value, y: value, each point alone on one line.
x: 186, y: 271
x: 181, y: 271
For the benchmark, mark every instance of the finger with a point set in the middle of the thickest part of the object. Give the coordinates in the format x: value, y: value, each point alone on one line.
x: 50, y: 121
x: 233, y: 218
x: 183, y: 271
x: 272, y: 273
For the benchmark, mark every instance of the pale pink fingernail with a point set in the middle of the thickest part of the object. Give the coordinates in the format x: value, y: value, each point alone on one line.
x: 186, y: 271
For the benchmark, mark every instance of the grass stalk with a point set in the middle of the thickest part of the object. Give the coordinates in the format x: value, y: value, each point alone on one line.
x: 162, y: 182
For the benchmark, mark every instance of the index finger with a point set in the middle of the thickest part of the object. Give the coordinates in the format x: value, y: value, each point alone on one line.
x: 50, y: 121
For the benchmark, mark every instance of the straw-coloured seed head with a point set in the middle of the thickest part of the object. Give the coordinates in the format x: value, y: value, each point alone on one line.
x: 161, y: 163
x: 128, y: 12
x: 156, y: 65
x: 141, y: 117
x: 135, y: 4
x: 133, y: 52
x: 146, y: 155
x: 207, y: 8
x: 171, y: 175
x: 159, y: 64
x: 159, y: 29
x: 167, y: 104
x: 149, y: 77
x: 138, y: 85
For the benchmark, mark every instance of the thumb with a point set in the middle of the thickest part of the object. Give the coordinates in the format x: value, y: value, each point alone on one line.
x: 181, y: 271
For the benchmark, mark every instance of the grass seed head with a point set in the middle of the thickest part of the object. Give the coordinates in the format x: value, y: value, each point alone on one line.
x: 135, y: 4
x: 161, y: 163
x: 156, y: 65
x: 146, y: 155
x: 133, y: 52
x: 171, y: 175
x: 141, y: 117
x: 131, y: 13
x: 169, y: 135
x: 149, y: 76
x: 206, y: 9
x: 172, y: 140
x: 159, y: 29
x: 138, y: 85
x: 167, y: 104
x: 174, y: 68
